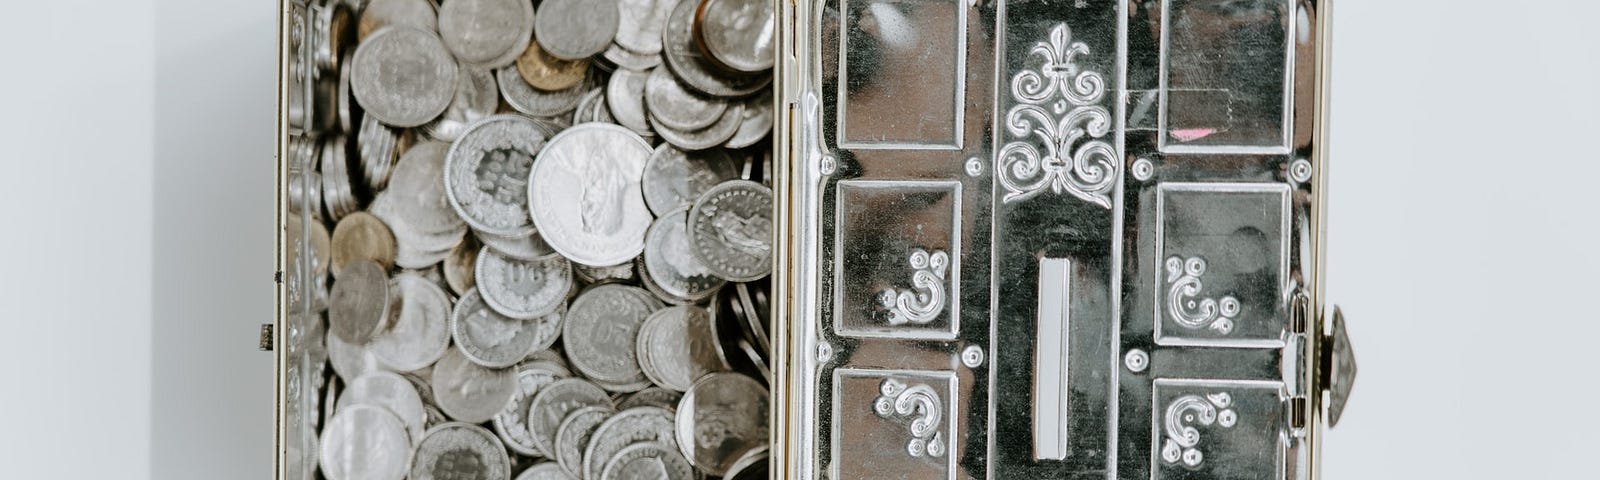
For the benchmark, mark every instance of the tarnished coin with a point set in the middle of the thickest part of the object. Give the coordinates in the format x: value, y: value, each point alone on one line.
x: 486, y: 33
x: 675, y: 106
x: 639, y: 27
x: 377, y: 14
x: 477, y: 96
x: 601, y: 328
x: 309, y: 253
x: 359, y: 304
x: 362, y: 236
x: 458, y: 266
x: 365, y: 442
x: 576, y: 29
x: 682, y: 54
x: 546, y: 72
x: 512, y: 422
x: 523, y: 289
x: 487, y: 177
x: 392, y: 393
x: 544, y: 471
x: 417, y: 209
x: 460, y: 450
x: 597, y: 166
x: 647, y: 461
x: 634, y: 425
x: 717, y: 134
x: 671, y: 267
x: 730, y: 230
x: 625, y: 97
x: 675, y: 178
x: 538, y: 103
x: 676, y: 347
x: 552, y: 405
x: 531, y: 247
x: 629, y: 60
x: 652, y: 397
x: 337, y: 193
x: 738, y: 33
x: 755, y: 123
x: 421, y: 330
x: 720, y: 419
x: 403, y: 76
x: 751, y: 466
x: 573, y: 436
x: 614, y: 273
x: 493, y: 340
x: 469, y: 392
x: 633, y: 385
x: 377, y: 146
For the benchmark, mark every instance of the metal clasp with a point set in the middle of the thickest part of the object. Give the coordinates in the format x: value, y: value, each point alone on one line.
x: 1337, y: 368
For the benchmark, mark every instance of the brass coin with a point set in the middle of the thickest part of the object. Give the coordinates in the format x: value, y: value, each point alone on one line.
x: 549, y: 73
x: 458, y: 267
x: 361, y: 235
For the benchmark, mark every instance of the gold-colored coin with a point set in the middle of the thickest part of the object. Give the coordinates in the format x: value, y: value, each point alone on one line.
x: 459, y: 266
x: 361, y: 235
x: 549, y: 73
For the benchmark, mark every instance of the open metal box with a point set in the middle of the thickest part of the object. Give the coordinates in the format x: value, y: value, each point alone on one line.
x: 1017, y: 239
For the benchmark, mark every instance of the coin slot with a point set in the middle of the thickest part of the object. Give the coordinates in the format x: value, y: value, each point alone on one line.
x: 1050, y: 393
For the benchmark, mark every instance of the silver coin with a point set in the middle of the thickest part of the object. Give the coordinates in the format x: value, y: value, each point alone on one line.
x: 421, y: 331
x: 626, y: 59
x: 377, y: 14
x: 477, y: 96
x: 538, y: 103
x: 647, y: 461
x: 552, y: 405
x: 337, y: 194
x: 512, y: 422
x: 753, y: 305
x: 486, y: 33
x: 634, y: 425
x: 376, y: 147
x: 639, y: 28
x: 488, y: 338
x: 592, y: 108
x: 544, y: 471
x: 630, y: 386
x: 602, y: 325
x: 755, y: 122
x: 572, y: 436
x: 486, y: 178
x: 351, y: 361
x: 599, y: 167
x: 305, y: 193
x: 469, y: 392
x: 523, y: 289
x: 677, y: 344
x: 751, y: 466
x: 576, y: 29
x: 671, y: 266
x: 359, y: 304
x: 674, y: 178
x: 460, y: 450
x: 531, y: 247
x: 730, y: 230
x: 652, y: 397
x: 739, y: 33
x: 345, y: 101
x: 403, y: 76
x: 717, y: 134
x: 625, y: 98
x: 365, y: 442
x: 682, y: 54
x: 720, y: 419
x: 675, y: 106
x: 614, y: 273
x: 417, y: 209
x: 392, y: 393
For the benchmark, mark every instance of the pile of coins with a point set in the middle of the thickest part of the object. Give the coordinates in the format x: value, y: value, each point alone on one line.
x: 551, y: 232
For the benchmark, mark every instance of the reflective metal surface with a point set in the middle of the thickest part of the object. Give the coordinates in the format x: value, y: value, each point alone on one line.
x: 1051, y: 239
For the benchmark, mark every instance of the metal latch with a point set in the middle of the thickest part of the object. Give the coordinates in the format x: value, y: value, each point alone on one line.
x: 1338, y: 368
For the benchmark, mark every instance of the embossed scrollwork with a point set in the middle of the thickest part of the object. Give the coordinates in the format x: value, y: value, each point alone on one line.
x: 1184, y: 304
x: 917, y: 407
x: 1059, y: 105
x: 922, y: 302
x: 1183, y: 438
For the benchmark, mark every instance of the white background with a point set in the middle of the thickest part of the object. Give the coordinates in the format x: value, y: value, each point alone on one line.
x: 138, y: 207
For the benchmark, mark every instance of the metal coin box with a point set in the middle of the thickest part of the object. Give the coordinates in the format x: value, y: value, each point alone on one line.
x: 1028, y: 239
